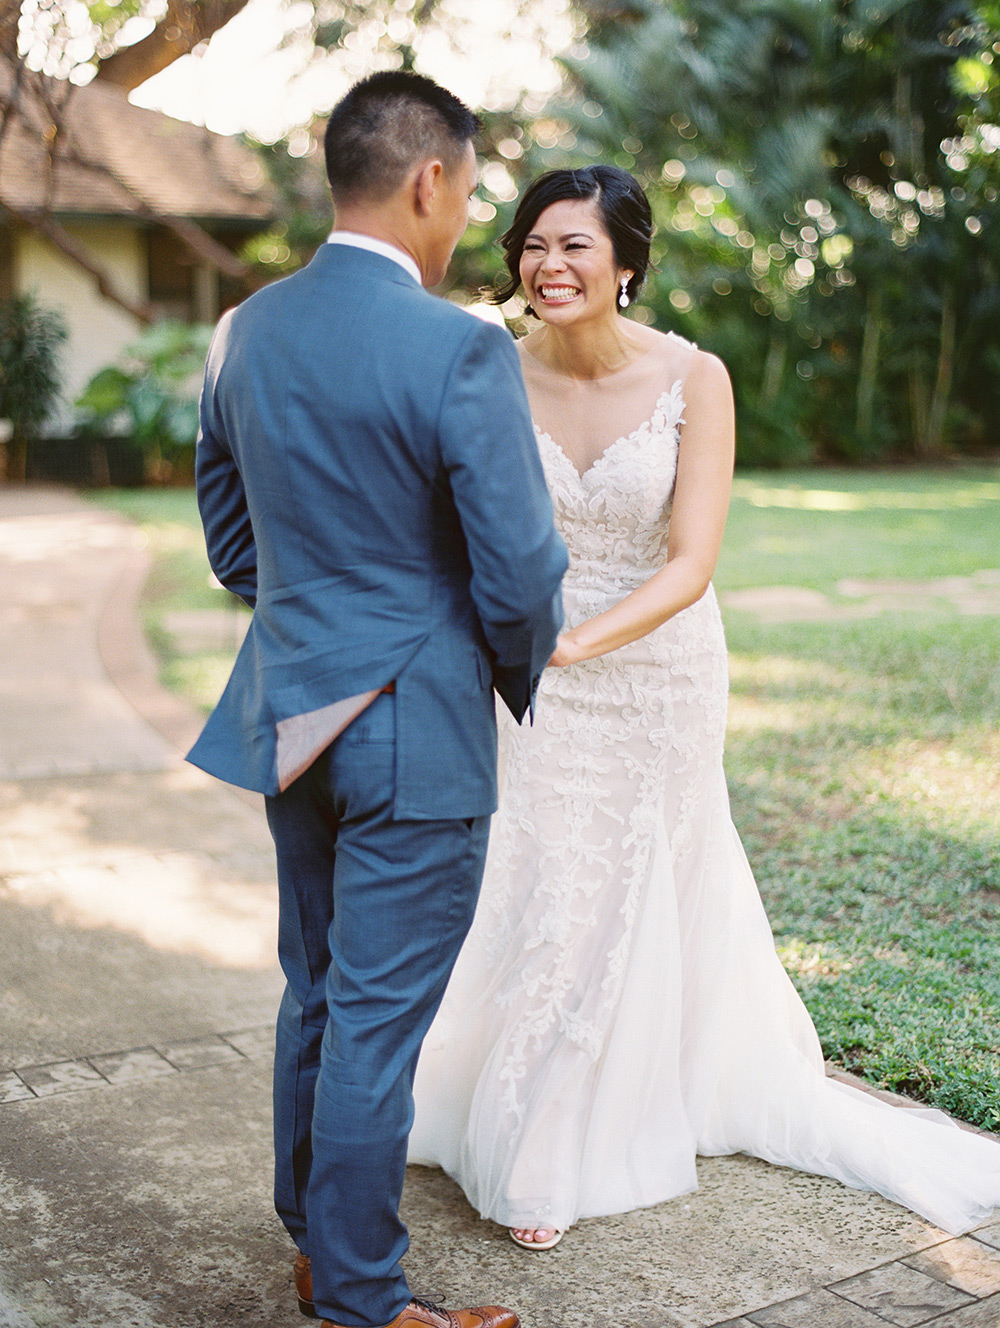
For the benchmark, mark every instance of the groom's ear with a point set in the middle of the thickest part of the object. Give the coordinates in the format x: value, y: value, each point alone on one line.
x: 425, y: 186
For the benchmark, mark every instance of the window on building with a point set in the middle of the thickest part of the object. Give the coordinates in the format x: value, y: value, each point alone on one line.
x: 171, y: 268
x: 7, y: 284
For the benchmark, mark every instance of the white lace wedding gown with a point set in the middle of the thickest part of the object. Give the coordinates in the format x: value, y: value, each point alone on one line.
x: 619, y: 1006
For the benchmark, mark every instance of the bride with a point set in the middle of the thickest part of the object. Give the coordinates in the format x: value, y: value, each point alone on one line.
x: 619, y: 1006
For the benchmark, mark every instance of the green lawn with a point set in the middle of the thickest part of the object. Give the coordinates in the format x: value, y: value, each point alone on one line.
x: 812, y: 528
x: 863, y: 758
x: 864, y: 765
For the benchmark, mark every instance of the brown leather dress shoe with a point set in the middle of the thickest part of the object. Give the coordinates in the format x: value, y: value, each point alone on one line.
x: 302, y: 1272
x: 424, y: 1314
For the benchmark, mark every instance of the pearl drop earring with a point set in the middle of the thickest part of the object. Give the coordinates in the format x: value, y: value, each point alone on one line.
x: 623, y: 299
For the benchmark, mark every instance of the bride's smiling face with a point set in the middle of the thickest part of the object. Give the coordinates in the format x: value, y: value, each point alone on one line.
x: 568, y: 266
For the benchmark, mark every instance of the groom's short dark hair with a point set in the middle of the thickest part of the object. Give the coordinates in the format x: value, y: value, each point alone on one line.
x: 387, y: 124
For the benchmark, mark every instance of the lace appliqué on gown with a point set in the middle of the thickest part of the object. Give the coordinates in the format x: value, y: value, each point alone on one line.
x: 583, y: 786
x: 619, y: 1005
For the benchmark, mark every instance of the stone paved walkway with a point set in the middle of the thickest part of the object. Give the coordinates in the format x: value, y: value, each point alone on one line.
x: 138, y: 988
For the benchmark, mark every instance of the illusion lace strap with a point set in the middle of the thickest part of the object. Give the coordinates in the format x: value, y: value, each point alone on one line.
x: 691, y: 348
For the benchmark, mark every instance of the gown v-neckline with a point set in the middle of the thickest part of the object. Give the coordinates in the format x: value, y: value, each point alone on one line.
x: 640, y: 428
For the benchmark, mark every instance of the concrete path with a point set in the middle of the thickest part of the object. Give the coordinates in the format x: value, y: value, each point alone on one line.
x: 138, y: 987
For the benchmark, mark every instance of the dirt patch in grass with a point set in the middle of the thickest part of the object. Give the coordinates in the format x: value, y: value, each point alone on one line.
x: 975, y: 594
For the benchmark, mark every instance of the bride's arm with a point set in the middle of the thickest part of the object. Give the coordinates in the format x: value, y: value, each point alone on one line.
x: 697, y: 521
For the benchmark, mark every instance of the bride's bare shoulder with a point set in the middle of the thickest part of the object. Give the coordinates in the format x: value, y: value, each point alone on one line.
x: 653, y: 337
x: 667, y: 346
x: 679, y: 357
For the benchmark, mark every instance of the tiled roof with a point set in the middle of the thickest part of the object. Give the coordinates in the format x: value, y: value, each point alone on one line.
x: 120, y: 159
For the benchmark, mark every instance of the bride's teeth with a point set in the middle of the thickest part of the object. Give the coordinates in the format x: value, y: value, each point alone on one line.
x: 559, y: 292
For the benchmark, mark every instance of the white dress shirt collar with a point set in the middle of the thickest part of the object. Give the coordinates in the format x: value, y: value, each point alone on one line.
x: 374, y: 246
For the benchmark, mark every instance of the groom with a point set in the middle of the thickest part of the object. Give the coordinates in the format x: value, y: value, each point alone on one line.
x: 369, y: 482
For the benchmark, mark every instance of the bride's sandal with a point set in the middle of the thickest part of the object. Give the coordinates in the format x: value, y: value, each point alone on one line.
x: 549, y: 1244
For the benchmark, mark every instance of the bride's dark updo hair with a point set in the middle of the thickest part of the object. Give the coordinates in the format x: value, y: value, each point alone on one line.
x: 623, y: 206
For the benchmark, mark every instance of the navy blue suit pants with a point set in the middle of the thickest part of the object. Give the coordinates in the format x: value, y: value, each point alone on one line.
x: 372, y: 914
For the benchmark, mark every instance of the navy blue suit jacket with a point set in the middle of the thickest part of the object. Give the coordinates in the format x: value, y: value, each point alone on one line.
x: 369, y: 482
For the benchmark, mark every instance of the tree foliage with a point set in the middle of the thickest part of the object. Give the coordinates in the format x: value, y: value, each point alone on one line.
x: 60, y: 38
x: 824, y: 174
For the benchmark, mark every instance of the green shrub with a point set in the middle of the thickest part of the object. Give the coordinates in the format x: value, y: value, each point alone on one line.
x: 151, y: 395
x: 30, y: 336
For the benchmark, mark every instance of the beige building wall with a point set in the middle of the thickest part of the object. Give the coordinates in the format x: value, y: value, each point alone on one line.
x: 98, y: 329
